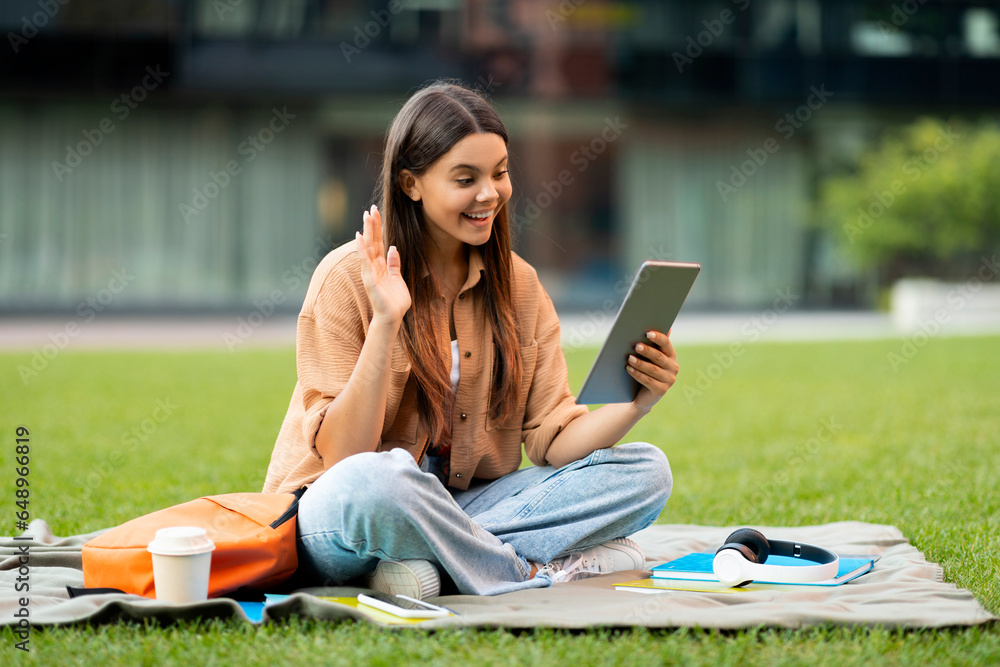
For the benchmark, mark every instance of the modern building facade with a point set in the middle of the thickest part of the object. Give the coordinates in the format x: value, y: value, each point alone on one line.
x: 201, y: 155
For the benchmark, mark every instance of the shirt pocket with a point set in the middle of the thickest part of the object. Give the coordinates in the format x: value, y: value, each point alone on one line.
x: 529, y: 354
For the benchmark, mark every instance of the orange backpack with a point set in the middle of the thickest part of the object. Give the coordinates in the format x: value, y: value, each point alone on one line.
x: 254, y: 536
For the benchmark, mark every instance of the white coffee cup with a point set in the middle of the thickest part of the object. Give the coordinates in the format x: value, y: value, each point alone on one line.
x: 182, y: 562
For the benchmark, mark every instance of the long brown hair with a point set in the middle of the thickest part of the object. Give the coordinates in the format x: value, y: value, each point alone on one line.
x: 433, y: 120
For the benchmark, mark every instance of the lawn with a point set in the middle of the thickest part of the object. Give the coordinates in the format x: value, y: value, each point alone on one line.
x: 787, y: 434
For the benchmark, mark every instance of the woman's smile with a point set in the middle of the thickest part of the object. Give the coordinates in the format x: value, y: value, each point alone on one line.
x: 479, y: 219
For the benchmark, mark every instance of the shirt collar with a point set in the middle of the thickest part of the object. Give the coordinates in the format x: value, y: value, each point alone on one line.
x: 476, y: 269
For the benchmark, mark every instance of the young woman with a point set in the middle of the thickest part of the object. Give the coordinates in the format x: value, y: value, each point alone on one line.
x: 422, y: 369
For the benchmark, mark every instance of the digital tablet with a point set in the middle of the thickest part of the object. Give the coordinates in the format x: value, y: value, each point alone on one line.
x: 652, y: 303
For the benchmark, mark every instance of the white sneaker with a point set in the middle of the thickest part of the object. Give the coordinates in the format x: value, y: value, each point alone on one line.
x: 614, y: 556
x: 414, y: 578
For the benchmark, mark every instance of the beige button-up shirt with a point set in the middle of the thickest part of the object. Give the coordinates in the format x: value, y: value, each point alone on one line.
x: 331, y: 330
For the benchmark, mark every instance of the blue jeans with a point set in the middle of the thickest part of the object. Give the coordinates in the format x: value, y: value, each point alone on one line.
x: 381, y: 506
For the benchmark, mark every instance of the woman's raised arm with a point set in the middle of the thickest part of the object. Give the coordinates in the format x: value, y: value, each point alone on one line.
x: 353, y: 422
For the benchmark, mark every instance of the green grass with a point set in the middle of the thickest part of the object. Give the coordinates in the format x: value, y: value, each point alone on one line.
x: 784, y: 435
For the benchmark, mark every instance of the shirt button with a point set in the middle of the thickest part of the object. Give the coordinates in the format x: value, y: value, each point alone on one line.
x: 458, y: 475
x: 468, y: 354
x: 464, y: 415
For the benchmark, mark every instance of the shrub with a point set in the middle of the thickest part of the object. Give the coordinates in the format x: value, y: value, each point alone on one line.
x: 925, y: 202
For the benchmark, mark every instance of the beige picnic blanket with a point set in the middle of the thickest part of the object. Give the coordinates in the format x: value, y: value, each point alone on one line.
x: 903, y: 591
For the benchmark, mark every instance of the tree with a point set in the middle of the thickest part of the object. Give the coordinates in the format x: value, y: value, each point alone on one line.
x: 925, y: 202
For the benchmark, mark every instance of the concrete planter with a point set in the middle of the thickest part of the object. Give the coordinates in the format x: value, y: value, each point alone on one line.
x: 932, y: 306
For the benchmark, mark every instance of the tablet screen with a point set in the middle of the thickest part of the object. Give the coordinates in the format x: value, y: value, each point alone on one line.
x: 655, y: 297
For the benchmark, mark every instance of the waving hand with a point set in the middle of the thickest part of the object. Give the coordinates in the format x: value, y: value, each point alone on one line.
x: 380, y: 271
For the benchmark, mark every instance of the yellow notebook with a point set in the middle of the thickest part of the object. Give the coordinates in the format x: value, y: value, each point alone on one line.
x: 663, y: 585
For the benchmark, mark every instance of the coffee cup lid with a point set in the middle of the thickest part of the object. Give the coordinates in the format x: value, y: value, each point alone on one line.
x: 180, y: 541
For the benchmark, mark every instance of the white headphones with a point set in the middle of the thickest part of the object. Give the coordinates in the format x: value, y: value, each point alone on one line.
x: 741, y: 560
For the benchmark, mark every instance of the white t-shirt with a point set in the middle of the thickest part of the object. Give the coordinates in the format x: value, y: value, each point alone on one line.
x: 454, y: 364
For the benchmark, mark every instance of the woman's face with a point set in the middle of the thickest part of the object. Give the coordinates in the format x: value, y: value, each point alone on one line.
x: 462, y: 190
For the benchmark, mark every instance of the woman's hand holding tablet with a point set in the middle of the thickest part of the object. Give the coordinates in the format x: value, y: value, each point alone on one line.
x: 651, y: 305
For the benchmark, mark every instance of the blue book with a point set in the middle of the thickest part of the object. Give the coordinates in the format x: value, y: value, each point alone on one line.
x: 255, y: 610
x: 698, y: 567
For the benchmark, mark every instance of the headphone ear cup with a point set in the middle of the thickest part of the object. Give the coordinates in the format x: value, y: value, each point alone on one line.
x: 752, y: 547
x: 726, y: 564
x: 753, y: 540
x: 741, y: 549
